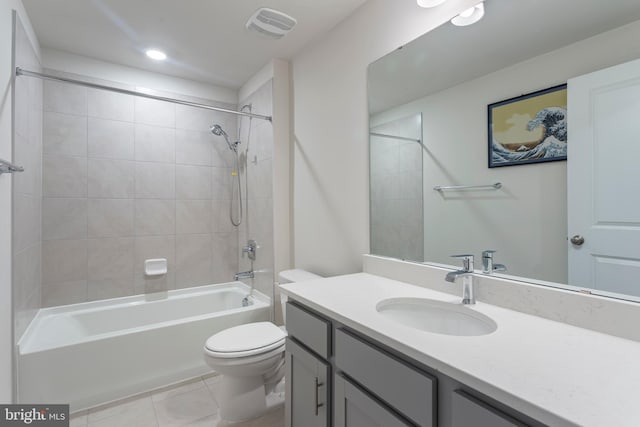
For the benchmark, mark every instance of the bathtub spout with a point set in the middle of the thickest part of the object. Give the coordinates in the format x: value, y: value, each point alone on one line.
x: 243, y: 275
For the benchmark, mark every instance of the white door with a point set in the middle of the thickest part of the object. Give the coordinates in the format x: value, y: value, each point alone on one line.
x: 603, y: 178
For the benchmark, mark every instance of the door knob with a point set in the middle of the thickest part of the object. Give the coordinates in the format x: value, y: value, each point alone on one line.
x: 577, y: 240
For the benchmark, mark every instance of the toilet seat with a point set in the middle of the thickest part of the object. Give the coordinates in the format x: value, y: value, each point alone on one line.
x: 245, y: 340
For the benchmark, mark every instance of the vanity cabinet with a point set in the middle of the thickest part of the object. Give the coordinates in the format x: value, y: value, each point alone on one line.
x: 308, y: 371
x: 469, y: 411
x: 403, y: 388
x: 308, y: 390
x: 354, y: 407
x: 337, y: 377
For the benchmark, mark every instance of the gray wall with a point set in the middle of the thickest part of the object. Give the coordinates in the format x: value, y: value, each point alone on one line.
x: 127, y: 179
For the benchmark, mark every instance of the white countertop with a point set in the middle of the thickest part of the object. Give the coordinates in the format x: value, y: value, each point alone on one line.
x: 556, y: 373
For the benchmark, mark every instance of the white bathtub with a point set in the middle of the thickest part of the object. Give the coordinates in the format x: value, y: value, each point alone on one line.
x: 92, y: 353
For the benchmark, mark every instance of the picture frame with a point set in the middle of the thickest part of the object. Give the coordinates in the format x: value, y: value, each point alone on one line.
x: 530, y: 128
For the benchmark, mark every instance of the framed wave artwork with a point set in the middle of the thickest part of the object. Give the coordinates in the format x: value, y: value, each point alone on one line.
x: 530, y: 128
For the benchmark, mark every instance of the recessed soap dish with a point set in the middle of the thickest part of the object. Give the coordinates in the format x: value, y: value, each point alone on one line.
x: 155, y: 267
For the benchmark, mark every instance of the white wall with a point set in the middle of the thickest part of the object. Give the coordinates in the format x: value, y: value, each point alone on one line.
x: 6, y: 81
x: 331, y: 122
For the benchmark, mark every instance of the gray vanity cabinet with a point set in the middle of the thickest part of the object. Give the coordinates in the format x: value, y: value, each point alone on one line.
x: 337, y: 377
x: 468, y: 411
x: 308, y: 370
x: 355, y: 408
x: 308, y: 390
x: 405, y: 389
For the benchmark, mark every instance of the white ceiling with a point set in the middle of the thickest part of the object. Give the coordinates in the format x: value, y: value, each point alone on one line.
x: 205, y: 39
x: 511, y: 31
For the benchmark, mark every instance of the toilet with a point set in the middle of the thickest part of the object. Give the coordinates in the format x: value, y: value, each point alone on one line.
x: 250, y: 358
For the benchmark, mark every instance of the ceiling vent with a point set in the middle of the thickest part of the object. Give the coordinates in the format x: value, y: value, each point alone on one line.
x: 270, y: 23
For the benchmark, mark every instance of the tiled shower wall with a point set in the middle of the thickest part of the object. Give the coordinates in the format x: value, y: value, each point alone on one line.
x: 258, y: 224
x: 127, y: 179
x: 27, y: 185
x: 396, y: 190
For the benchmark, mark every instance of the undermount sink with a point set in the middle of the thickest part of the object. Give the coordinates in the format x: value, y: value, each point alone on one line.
x: 436, y: 316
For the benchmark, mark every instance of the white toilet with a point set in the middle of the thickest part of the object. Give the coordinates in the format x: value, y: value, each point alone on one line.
x: 250, y: 358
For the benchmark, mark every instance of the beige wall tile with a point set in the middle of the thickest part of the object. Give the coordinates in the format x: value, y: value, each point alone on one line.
x: 225, y: 255
x: 155, y: 180
x: 110, y: 217
x: 110, y: 258
x: 195, y: 147
x: 65, y: 98
x: 193, y: 216
x: 111, y: 178
x: 64, y: 261
x: 193, y: 182
x: 109, y: 105
x: 64, y: 134
x: 64, y: 176
x: 155, y: 144
x: 109, y: 288
x: 221, y: 183
x: 26, y: 225
x: 62, y: 293
x: 157, y: 113
x: 193, y: 260
x: 64, y: 219
x: 110, y: 139
x: 155, y: 217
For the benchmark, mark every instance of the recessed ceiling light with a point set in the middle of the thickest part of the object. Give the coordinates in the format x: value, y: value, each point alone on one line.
x: 469, y: 16
x: 158, y: 55
x: 430, y: 3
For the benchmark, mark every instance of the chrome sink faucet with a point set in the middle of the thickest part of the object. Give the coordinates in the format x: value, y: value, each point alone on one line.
x: 467, y: 278
x: 488, y: 267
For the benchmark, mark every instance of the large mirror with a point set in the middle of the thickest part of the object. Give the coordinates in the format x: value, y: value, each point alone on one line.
x: 445, y: 81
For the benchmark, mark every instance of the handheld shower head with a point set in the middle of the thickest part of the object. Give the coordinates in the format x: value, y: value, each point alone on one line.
x: 218, y: 131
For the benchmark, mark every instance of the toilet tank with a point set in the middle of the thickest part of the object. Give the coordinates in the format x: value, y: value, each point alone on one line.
x: 292, y: 276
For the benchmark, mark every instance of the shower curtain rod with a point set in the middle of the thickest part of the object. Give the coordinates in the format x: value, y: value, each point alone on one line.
x: 404, y: 138
x: 22, y: 72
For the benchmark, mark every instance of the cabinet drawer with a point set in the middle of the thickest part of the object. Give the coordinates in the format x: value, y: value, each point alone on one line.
x: 354, y: 408
x: 409, y: 391
x: 309, y: 329
x: 471, y: 412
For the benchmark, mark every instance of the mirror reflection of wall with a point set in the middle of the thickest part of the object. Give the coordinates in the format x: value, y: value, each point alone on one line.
x: 526, y: 220
x: 396, y: 188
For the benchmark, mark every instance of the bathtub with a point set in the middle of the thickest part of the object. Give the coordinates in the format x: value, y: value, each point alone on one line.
x: 91, y: 353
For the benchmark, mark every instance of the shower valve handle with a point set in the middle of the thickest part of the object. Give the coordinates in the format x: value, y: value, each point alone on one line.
x: 250, y: 249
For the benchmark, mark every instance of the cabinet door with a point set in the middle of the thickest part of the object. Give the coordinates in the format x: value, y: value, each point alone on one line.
x: 471, y: 412
x: 354, y: 408
x: 308, y: 389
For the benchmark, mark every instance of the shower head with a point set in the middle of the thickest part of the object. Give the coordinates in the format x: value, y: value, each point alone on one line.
x: 218, y: 131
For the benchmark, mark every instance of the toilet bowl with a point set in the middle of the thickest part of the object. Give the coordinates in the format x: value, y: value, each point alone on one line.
x: 250, y: 358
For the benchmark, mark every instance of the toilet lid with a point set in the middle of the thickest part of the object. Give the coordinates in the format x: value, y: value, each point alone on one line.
x: 251, y: 338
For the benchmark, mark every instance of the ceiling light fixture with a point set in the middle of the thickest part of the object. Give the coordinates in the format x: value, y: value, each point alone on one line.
x: 469, y: 16
x: 430, y: 3
x: 158, y: 55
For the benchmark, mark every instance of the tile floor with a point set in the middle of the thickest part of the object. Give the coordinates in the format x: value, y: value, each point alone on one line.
x: 191, y: 403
